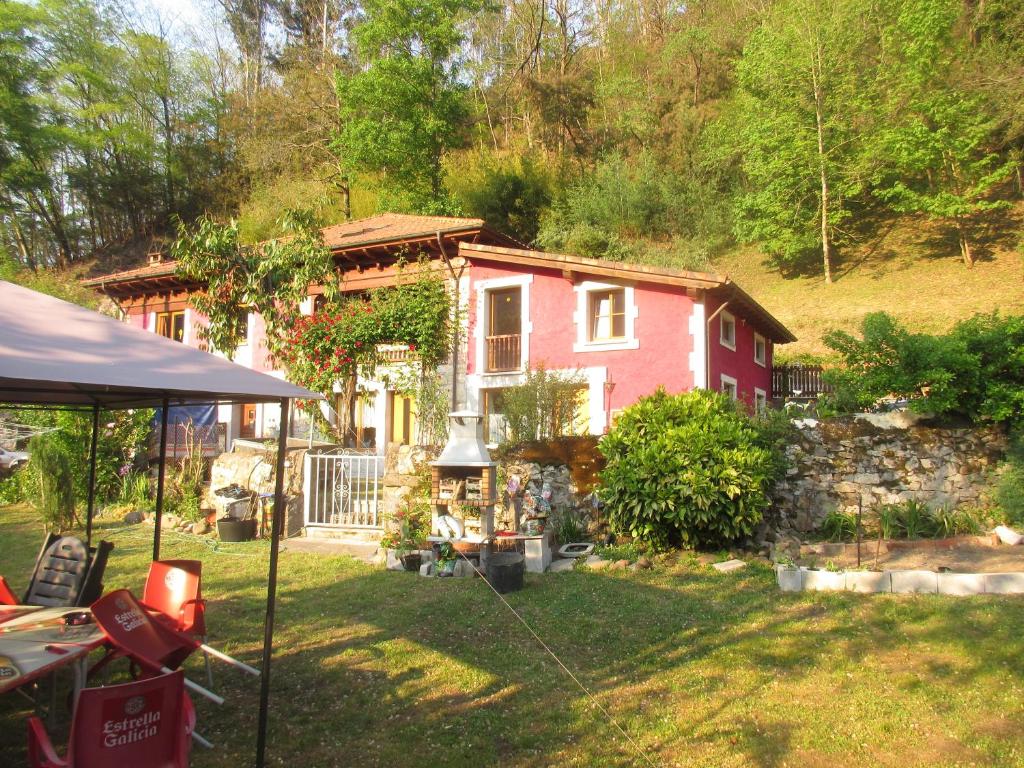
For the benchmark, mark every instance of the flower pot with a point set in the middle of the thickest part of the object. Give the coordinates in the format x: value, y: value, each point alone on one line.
x: 412, y: 561
x: 446, y: 567
x: 789, y: 578
x: 229, y: 529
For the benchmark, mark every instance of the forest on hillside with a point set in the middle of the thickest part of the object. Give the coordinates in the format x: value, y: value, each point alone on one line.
x: 649, y: 130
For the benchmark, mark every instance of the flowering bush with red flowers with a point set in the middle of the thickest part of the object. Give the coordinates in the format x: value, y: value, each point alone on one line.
x: 340, y: 342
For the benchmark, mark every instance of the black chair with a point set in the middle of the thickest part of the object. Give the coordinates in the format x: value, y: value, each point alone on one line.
x: 67, y: 573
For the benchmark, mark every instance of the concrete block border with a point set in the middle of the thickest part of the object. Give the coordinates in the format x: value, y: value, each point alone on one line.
x: 794, y: 579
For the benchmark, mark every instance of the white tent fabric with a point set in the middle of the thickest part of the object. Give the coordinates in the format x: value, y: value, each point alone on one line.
x: 58, y: 353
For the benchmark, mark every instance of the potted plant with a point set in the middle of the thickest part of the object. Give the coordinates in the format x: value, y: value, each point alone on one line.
x: 446, y: 558
x: 788, y: 575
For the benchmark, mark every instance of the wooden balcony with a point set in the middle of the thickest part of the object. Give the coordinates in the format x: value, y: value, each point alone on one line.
x: 503, y: 353
x: 394, y: 353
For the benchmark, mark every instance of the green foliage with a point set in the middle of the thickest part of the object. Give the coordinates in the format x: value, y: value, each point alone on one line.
x: 409, y: 527
x: 52, y: 482
x: 801, y: 111
x: 685, y: 469
x: 335, y: 343
x: 603, y: 213
x: 271, y: 278
x: 570, y: 526
x: 840, y: 526
x: 1010, y: 484
x: 120, y: 445
x: 135, y: 492
x: 628, y: 550
x: 544, y: 407
x: 936, y: 137
x: 975, y: 371
x: 509, y: 194
x: 404, y: 109
x: 916, y: 520
x: 186, y: 480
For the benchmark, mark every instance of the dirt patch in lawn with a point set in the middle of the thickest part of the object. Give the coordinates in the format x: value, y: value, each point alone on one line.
x: 961, y: 554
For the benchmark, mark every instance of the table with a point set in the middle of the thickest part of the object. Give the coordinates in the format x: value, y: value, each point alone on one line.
x: 34, y: 643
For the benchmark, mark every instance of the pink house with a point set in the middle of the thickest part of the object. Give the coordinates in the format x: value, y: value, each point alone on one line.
x: 622, y: 330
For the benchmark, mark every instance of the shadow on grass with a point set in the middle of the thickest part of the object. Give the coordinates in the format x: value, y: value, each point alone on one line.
x: 384, y: 669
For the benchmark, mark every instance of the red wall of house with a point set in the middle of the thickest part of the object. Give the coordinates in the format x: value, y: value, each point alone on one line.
x: 661, y: 326
x: 739, y: 364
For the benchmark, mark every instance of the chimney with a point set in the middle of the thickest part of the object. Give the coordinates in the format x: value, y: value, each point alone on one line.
x: 155, y: 257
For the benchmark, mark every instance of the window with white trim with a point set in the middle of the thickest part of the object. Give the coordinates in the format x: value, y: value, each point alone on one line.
x: 729, y: 387
x: 605, y: 317
x: 606, y: 314
x: 727, y: 333
x: 760, y: 350
x: 760, y: 400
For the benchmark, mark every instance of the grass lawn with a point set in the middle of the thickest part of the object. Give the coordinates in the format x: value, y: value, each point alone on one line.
x: 388, y: 669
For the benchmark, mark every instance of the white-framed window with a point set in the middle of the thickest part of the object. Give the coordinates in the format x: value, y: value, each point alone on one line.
x: 760, y: 350
x: 760, y: 400
x: 727, y: 332
x: 729, y: 387
x: 605, y: 317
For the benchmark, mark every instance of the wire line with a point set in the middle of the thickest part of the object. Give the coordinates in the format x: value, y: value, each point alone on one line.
x: 639, y: 750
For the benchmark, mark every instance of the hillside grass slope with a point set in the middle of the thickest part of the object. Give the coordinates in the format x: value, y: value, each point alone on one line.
x: 911, y: 269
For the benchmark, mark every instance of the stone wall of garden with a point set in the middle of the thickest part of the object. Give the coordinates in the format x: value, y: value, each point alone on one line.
x: 839, y: 464
x: 254, y: 469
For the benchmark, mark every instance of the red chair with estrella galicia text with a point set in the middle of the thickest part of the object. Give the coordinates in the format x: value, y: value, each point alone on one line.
x: 7, y: 597
x: 143, y: 724
x: 173, y: 592
x: 152, y: 645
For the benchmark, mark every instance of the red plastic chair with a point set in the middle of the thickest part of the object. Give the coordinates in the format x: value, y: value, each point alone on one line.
x: 143, y: 724
x: 174, y: 593
x: 6, y: 595
x: 151, y: 644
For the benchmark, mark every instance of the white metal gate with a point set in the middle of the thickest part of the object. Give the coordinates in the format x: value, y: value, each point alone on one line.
x: 343, y: 490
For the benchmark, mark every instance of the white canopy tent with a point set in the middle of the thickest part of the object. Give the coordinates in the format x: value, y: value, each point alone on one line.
x: 53, y: 353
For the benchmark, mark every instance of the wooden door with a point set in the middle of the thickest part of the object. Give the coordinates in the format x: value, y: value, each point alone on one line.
x: 248, y: 426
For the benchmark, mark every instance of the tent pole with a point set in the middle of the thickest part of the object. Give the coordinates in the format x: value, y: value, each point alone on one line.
x: 90, y: 506
x: 268, y: 624
x: 160, y: 479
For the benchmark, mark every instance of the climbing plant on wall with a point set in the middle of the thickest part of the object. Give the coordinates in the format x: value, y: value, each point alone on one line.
x: 271, y: 278
x: 340, y: 343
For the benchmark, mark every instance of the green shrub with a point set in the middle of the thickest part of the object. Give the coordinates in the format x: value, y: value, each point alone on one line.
x: 544, y: 407
x: 976, y: 371
x: 570, y: 526
x: 685, y: 470
x: 51, y: 481
x: 950, y: 521
x: 840, y: 526
x: 1010, y: 487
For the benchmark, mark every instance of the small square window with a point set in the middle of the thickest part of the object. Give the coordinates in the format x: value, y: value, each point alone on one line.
x: 729, y: 387
x: 727, y: 323
x: 171, y: 325
x: 607, y: 314
x: 760, y: 349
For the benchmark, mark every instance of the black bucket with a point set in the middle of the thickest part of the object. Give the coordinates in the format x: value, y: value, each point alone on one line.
x: 229, y: 529
x: 505, y: 571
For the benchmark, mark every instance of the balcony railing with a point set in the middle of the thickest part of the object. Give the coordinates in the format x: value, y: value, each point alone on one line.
x: 393, y: 353
x: 798, y: 381
x: 503, y: 353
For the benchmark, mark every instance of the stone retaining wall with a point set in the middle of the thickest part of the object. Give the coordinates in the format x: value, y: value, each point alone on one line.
x: 253, y: 468
x: 843, y: 463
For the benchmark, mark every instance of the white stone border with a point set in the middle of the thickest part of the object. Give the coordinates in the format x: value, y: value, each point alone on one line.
x: 802, y: 579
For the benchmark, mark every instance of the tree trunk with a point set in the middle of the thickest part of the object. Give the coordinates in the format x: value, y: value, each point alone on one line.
x: 826, y: 245
x: 965, y: 244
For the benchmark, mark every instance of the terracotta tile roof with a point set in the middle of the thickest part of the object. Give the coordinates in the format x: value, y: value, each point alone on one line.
x: 386, y: 227
x: 163, y: 269
x: 722, y: 286
x: 374, y: 230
